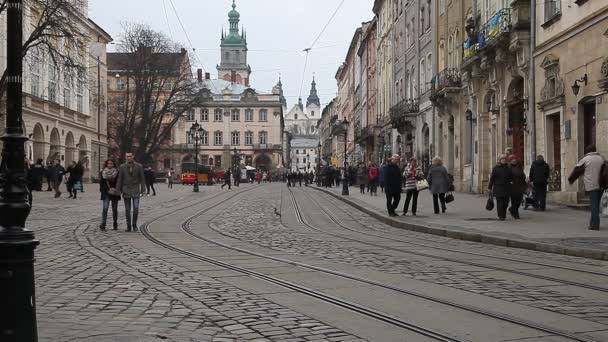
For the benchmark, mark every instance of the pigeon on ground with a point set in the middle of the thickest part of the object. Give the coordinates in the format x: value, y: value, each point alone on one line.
x: 276, y: 212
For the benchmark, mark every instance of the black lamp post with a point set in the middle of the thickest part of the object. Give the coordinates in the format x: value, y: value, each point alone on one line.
x: 17, y: 244
x: 345, y: 180
x: 196, y: 133
x: 319, y: 164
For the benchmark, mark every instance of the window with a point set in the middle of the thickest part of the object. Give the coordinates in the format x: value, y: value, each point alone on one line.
x: 67, y: 93
x: 408, y: 39
x: 79, y: 92
x: 450, y: 51
x: 190, y: 115
x: 297, y: 160
x: 217, y: 136
x: 428, y: 12
x: 429, y: 70
x: 312, y: 113
x: 35, y: 70
x: 552, y: 9
x: 248, y: 138
x: 263, y: 115
x: 295, y: 116
x: 413, y: 31
x: 304, y: 160
x: 108, y: 82
x: 249, y: 114
x: 189, y: 139
x: 263, y: 137
x: 120, y: 105
x: 236, y: 115
x: 53, y: 72
x: 236, y: 138
x: 422, y: 16
x: 441, y: 6
x: 168, y: 85
x: 205, y: 159
x: 205, y: 138
x: 204, y: 114
x: 217, y: 115
x: 297, y: 151
x: 120, y: 84
x: 422, y: 85
x: 218, y: 161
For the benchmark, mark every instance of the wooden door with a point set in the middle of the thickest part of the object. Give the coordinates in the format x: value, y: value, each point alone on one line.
x: 589, y: 124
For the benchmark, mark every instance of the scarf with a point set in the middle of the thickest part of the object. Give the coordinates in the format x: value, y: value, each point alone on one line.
x: 109, y: 174
x: 413, y: 170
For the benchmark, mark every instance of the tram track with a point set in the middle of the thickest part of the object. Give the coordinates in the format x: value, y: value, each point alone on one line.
x: 338, y: 222
x: 186, y: 227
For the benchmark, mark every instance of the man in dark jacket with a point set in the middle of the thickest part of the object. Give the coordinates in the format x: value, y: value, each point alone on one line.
x: 539, y: 176
x: 37, y: 172
x: 500, y: 182
x: 392, y: 185
x: 150, y: 180
x: 227, y: 179
x: 48, y: 173
x: 56, y: 174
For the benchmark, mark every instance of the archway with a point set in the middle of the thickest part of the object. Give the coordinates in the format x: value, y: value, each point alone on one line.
x: 516, y: 125
x: 70, y: 149
x: 55, y: 150
x: 263, y: 162
x: 38, y: 140
x: 426, y: 147
x: 82, y: 149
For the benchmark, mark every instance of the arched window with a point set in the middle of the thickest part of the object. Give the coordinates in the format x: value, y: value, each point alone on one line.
x: 422, y: 71
x: 450, y: 52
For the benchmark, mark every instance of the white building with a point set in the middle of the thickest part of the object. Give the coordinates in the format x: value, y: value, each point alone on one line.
x: 60, y: 112
x: 301, y: 123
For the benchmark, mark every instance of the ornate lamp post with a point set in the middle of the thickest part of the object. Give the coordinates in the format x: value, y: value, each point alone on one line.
x: 345, y: 180
x: 196, y: 133
x: 17, y: 244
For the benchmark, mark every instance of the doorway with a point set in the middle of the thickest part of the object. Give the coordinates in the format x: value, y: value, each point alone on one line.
x: 589, y: 124
x: 517, y: 129
x: 554, y: 150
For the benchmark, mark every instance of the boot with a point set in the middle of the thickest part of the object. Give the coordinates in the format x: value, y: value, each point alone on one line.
x: 102, y: 227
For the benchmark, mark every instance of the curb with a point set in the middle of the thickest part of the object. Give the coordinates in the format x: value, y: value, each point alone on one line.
x: 589, y: 253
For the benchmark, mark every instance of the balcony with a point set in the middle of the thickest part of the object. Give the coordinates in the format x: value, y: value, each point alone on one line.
x: 363, y: 134
x: 446, y: 82
x: 400, y: 112
x: 488, y: 35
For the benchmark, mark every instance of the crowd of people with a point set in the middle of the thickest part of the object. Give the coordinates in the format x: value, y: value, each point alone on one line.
x: 55, y: 175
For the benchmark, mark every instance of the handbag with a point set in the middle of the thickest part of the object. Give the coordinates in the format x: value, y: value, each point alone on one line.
x: 422, y: 184
x: 490, y: 203
x: 77, y: 186
x: 449, y: 197
x: 112, y: 191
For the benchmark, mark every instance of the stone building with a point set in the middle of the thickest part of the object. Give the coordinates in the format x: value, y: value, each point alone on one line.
x: 301, y: 123
x: 60, y: 104
x: 453, y: 130
x: 571, y: 68
x: 345, y: 102
x: 241, y: 124
x: 495, y: 76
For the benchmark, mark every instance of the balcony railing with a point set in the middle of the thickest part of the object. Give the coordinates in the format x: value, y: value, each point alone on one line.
x: 494, y: 28
x: 401, y: 110
x: 446, y: 79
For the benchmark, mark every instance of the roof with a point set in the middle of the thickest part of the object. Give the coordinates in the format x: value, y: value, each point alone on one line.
x: 162, y: 60
x: 101, y: 31
x: 219, y: 87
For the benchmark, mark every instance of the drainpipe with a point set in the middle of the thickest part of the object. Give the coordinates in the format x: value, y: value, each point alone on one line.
x: 532, y: 85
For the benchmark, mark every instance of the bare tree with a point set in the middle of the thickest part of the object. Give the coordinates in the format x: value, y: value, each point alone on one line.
x: 159, y: 90
x: 55, y: 31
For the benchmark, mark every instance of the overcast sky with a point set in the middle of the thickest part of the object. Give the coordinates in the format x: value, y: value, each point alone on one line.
x: 277, y: 31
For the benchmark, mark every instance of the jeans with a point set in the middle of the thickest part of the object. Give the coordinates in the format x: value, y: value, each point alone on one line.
x: 133, y: 201
x: 540, y: 195
x: 595, y: 198
x: 392, y: 201
x: 436, y: 199
x: 412, y: 195
x: 106, y: 206
x: 501, y: 206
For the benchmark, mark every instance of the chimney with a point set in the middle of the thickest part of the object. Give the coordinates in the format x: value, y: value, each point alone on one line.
x: 199, y: 74
x: 207, y: 76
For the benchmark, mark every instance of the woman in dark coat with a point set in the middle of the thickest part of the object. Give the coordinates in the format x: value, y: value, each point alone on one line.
x: 439, y: 183
x: 76, y: 171
x: 500, y: 184
x: 519, y: 185
x: 107, y: 180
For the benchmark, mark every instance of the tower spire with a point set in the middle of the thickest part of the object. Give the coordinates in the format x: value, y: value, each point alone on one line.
x: 313, y: 98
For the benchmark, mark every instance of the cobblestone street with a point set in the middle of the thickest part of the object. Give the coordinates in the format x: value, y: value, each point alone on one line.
x: 118, y: 286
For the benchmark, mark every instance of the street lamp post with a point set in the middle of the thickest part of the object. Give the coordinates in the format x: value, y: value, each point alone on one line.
x: 196, y: 132
x: 319, y: 164
x: 17, y: 244
x: 345, y: 180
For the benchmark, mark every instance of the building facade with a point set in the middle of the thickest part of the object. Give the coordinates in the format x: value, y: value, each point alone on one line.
x: 64, y: 108
x: 242, y: 126
x: 571, y: 72
x: 301, y: 123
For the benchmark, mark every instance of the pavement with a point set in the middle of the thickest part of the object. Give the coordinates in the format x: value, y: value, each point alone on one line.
x: 557, y: 230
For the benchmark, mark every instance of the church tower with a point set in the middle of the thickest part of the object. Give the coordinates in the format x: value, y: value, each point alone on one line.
x: 313, y: 103
x: 233, y: 66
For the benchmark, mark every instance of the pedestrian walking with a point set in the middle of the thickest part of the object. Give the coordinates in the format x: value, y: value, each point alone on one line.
x: 109, y: 193
x: 57, y: 173
x: 132, y: 185
x: 150, y: 176
x: 499, y: 185
x: 300, y: 176
x: 539, y: 177
x: 74, y: 183
x: 439, y: 184
x: 37, y: 173
x: 48, y: 174
x: 519, y: 186
x: 591, y: 167
x: 413, y: 173
x: 170, y: 176
x: 381, y: 176
x: 227, y: 180
x: 372, y: 178
x: 362, y: 177
x: 392, y: 178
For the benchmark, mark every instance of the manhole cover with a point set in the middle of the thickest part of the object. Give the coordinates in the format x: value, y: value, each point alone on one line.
x: 482, y: 219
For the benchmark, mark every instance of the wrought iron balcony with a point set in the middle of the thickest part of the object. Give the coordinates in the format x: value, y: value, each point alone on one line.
x: 364, y: 133
x: 445, y: 81
x: 403, y: 109
x: 488, y: 34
